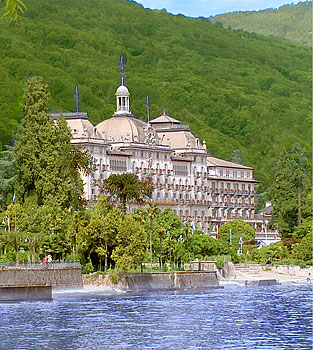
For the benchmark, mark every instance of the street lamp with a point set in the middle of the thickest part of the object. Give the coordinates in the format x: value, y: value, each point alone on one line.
x: 240, y: 242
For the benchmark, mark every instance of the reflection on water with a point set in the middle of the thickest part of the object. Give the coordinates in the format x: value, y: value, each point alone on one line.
x: 277, y: 317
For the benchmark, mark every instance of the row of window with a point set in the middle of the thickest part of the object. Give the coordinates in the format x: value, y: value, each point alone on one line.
x: 186, y: 212
x: 235, y: 174
x: 158, y: 195
x: 234, y: 186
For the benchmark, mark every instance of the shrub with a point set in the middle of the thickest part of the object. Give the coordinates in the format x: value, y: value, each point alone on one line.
x: 7, y: 258
x: 114, y: 276
x: 88, y: 268
x: 220, y: 262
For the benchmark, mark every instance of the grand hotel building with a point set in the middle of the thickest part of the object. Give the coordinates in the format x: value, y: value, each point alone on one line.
x: 203, y: 190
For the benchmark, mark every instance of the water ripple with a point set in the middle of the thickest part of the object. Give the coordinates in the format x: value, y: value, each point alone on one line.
x: 261, y: 318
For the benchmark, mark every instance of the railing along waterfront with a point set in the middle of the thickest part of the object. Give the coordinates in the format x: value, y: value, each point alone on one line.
x: 41, y: 265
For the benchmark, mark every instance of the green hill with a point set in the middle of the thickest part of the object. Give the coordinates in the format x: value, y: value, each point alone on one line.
x: 238, y: 91
x: 292, y: 22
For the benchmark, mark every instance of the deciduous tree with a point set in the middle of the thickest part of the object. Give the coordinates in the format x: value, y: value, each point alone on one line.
x: 132, y: 245
x: 126, y: 188
x: 233, y: 230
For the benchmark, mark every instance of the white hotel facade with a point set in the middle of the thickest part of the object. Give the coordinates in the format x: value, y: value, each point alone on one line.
x: 201, y: 189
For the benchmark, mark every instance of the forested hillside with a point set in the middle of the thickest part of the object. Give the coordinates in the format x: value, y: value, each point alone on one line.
x: 238, y: 91
x: 292, y: 22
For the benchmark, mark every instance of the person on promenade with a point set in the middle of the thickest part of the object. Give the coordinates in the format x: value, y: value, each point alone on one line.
x: 49, y: 259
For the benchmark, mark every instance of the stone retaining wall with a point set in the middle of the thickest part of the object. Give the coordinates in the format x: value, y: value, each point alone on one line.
x: 293, y: 270
x: 159, y: 281
x: 59, y: 277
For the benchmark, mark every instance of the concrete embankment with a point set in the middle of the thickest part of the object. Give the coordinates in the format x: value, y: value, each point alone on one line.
x: 58, y: 276
x: 158, y: 281
x: 20, y: 293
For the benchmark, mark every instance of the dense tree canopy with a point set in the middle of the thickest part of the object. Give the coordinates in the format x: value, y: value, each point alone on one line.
x: 292, y: 22
x: 238, y: 91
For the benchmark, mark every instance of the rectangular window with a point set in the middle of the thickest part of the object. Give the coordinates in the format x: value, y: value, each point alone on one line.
x: 227, y: 173
x: 243, y: 187
x: 118, y: 165
x: 180, y: 170
x: 235, y: 174
x: 228, y: 185
x: 221, y: 173
x: 242, y: 175
x: 213, y: 185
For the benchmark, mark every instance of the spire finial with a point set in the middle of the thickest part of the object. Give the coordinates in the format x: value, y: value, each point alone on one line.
x: 76, y: 98
x: 164, y: 111
x: 122, y: 70
x: 147, y: 109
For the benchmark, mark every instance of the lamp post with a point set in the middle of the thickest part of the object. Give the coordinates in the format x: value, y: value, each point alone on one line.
x: 240, y: 242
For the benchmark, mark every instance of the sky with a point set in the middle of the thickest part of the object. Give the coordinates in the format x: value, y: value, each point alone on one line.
x: 207, y: 8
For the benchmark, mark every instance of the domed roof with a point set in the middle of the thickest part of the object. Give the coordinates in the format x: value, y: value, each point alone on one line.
x: 122, y: 91
x: 124, y: 128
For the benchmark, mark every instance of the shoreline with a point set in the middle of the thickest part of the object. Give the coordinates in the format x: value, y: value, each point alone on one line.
x: 282, y: 274
x: 236, y: 274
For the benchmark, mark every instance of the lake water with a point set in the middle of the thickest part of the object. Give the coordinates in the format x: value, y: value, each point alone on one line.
x: 236, y: 317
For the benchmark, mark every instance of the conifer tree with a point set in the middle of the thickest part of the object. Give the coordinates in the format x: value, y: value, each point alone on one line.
x: 7, y: 176
x: 290, y: 189
x: 47, y: 164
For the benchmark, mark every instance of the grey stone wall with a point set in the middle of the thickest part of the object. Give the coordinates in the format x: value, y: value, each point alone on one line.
x: 59, y: 277
x: 164, y: 281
